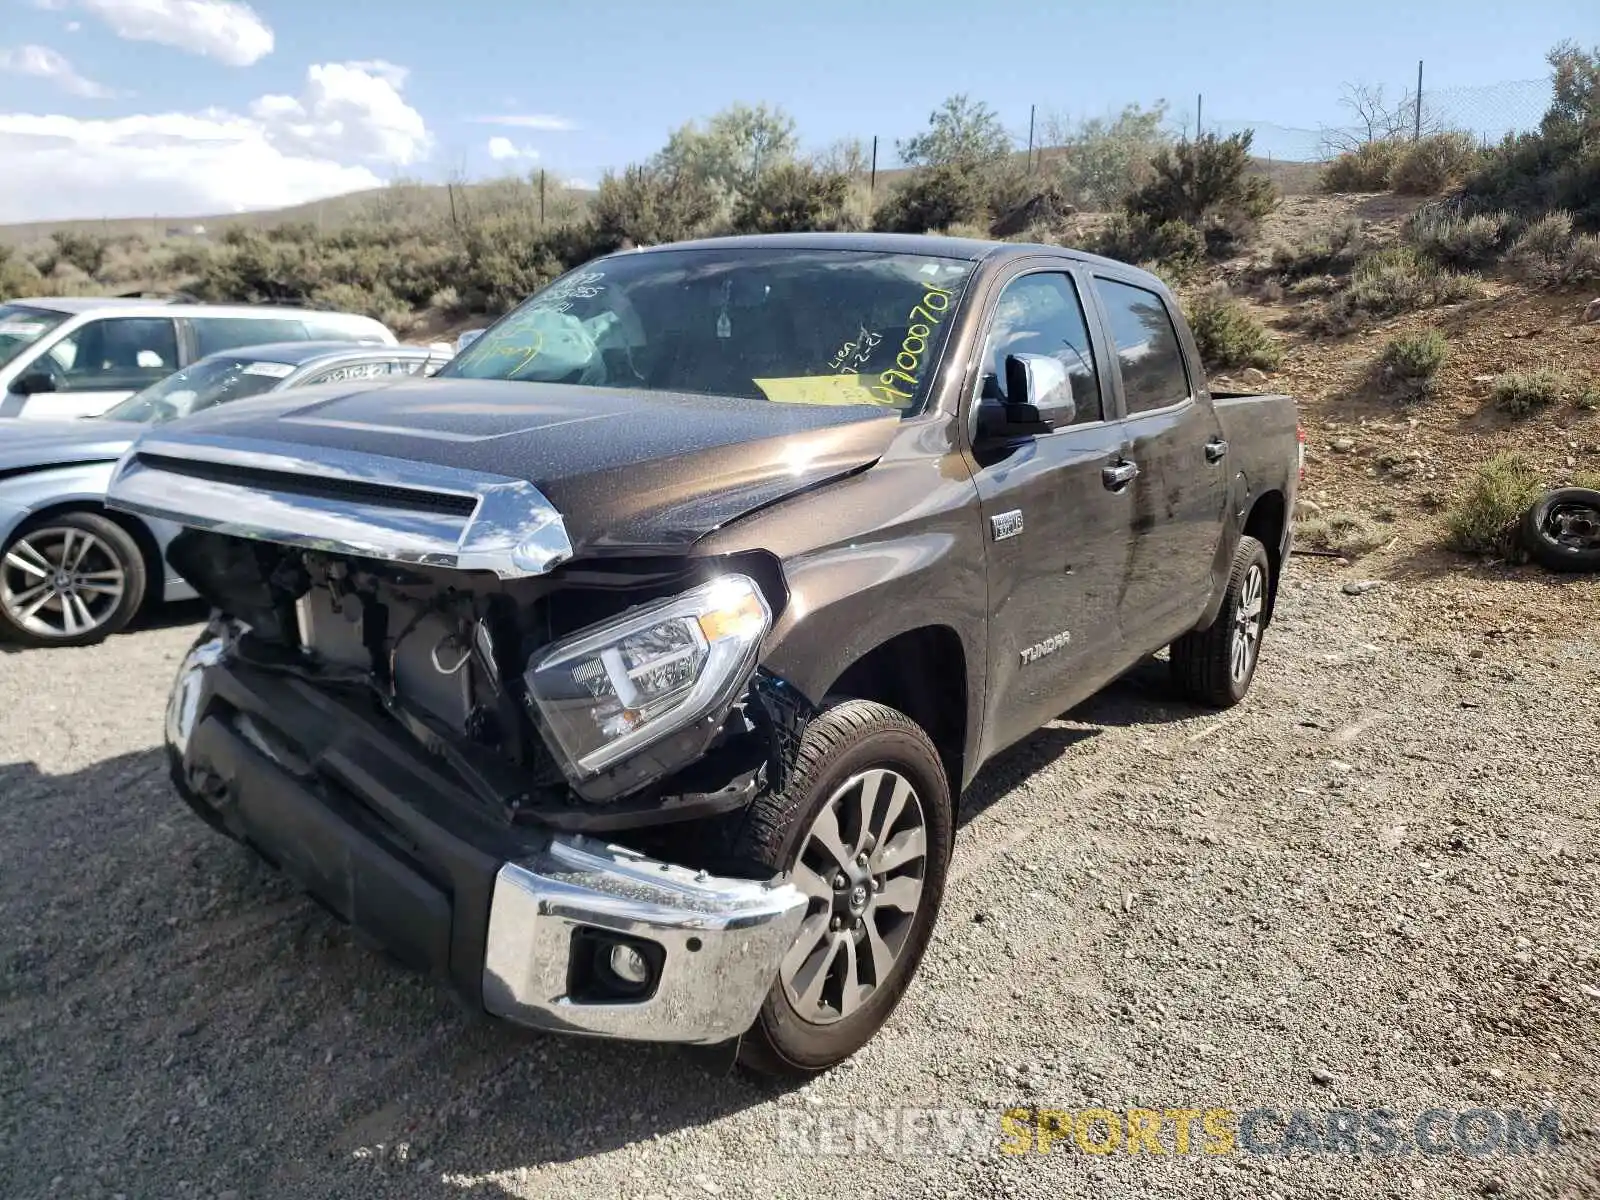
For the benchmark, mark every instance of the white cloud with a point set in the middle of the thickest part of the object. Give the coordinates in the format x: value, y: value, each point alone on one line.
x: 348, y: 111
x: 286, y: 150
x: 74, y: 26
x: 503, y: 149
x: 225, y: 30
x: 545, y: 121
x: 41, y: 62
x: 579, y: 185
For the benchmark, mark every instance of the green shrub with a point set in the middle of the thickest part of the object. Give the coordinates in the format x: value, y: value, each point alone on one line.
x: 1452, y: 239
x: 794, y: 197
x: 1588, y: 398
x: 1365, y: 169
x: 1174, y: 249
x: 1330, y: 251
x: 1205, y: 183
x: 646, y: 206
x: 935, y: 197
x: 1521, y: 393
x: 1433, y: 164
x: 1557, y: 167
x: 1228, y: 336
x: 1483, y: 518
x: 1409, y: 364
x: 1393, y: 281
x: 1348, y: 533
x: 1551, y: 252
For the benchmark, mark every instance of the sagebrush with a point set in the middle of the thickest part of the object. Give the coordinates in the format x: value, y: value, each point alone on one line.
x: 1483, y: 517
x: 1409, y: 365
x: 1228, y: 336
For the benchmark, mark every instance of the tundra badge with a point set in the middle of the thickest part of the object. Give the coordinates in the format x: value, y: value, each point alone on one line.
x: 1049, y: 646
x: 1006, y: 525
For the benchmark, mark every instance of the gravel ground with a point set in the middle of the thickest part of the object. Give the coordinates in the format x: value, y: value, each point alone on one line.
x: 1372, y: 885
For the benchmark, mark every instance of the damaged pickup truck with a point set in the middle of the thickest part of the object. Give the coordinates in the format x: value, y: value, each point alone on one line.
x: 625, y: 675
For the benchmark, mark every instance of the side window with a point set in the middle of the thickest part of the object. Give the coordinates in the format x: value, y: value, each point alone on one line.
x: 1041, y: 314
x: 117, y: 354
x: 229, y: 333
x: 1147, y: 346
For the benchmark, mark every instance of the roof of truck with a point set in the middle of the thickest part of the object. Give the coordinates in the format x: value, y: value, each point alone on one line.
x: 925, y: 244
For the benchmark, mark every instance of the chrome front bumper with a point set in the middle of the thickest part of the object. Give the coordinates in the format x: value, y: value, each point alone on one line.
x: 716, y: 942
x: 722, y: 940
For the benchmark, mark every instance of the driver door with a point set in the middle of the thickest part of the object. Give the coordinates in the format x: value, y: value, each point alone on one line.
x: 1056, y: 531
x: 98, y: 364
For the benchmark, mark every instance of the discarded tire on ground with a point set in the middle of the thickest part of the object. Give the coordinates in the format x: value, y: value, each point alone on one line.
x: 1562, y: 530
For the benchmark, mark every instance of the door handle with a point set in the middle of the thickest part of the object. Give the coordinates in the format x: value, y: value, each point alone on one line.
x: 1119, y: 475
x: 1215, y: 449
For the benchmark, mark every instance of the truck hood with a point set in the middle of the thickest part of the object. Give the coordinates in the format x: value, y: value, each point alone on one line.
x: 36, y: 445
x: 629, y: 472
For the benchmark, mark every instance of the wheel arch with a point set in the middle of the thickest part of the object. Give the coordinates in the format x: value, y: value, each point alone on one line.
x: 1267, y: 522
x: 915, y: 672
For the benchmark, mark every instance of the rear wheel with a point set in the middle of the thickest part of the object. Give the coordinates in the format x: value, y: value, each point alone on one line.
x: 864, y: 829
x: 70, y: 579
x: 1215, y: 665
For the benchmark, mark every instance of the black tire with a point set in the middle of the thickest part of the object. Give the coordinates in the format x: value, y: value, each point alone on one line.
x: 110, y: 542
x: 1204, y: 660
x: 851, y: 737
x: 1562, y: 530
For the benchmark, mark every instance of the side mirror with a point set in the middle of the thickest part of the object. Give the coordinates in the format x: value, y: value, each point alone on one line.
x: 1038, y: 399
x: 33, y: 383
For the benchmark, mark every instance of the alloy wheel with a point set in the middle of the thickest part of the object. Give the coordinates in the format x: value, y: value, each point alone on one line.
x: 61, y: 581
x: 862, y: 863
x: 1247, y: 622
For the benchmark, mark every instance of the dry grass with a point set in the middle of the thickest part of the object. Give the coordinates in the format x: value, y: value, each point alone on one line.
x: 1351, y: 534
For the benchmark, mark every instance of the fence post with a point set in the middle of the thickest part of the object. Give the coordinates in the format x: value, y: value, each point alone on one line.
x: 1416, y: 133
x: 541, y: 197
x: 872, y: 179
x: 1031, y: 109
x: 1199, y: 109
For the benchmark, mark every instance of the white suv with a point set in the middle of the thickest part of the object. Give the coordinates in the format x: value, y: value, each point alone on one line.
x: 77, y: 357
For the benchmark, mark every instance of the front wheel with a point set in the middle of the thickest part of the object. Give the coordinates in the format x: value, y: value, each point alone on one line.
x: 864, y: 828
x: 71, y: 579
x: 1215, y: 665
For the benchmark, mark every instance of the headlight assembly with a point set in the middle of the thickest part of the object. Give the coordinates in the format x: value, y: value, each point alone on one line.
x: 610, y: 690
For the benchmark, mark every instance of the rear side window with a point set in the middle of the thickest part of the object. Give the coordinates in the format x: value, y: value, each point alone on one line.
x: 229, y: 333
x: 1147, y: 346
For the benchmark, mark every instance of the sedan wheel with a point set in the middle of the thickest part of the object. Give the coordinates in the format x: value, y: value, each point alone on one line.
x: 70, y: 580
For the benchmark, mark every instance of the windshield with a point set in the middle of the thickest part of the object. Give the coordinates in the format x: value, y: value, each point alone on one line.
x: 213, y: 380
x: 790, y: 326
x: 21, y: 327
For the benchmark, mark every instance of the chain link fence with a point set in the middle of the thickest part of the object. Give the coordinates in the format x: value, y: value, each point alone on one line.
x: 1488, y: 112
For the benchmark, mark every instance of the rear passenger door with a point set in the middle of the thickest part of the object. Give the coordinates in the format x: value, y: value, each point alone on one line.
x: 1055, y: 532
x: 1172, y: 436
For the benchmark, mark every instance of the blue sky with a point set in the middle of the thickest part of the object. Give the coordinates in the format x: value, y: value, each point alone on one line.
x: 131, y: 107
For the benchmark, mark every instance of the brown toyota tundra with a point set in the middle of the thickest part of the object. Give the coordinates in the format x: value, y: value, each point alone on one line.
x: 625, y: 675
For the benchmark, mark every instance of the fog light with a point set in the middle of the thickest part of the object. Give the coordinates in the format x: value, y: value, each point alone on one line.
x: 628, y: 965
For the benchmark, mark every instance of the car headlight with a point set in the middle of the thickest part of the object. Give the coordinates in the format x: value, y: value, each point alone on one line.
x: 608, y: 691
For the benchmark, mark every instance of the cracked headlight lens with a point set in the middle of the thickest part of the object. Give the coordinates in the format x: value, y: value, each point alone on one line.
x: 610, y: 690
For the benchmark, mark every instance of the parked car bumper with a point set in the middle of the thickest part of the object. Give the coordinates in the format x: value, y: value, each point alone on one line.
x: 526, y: 924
